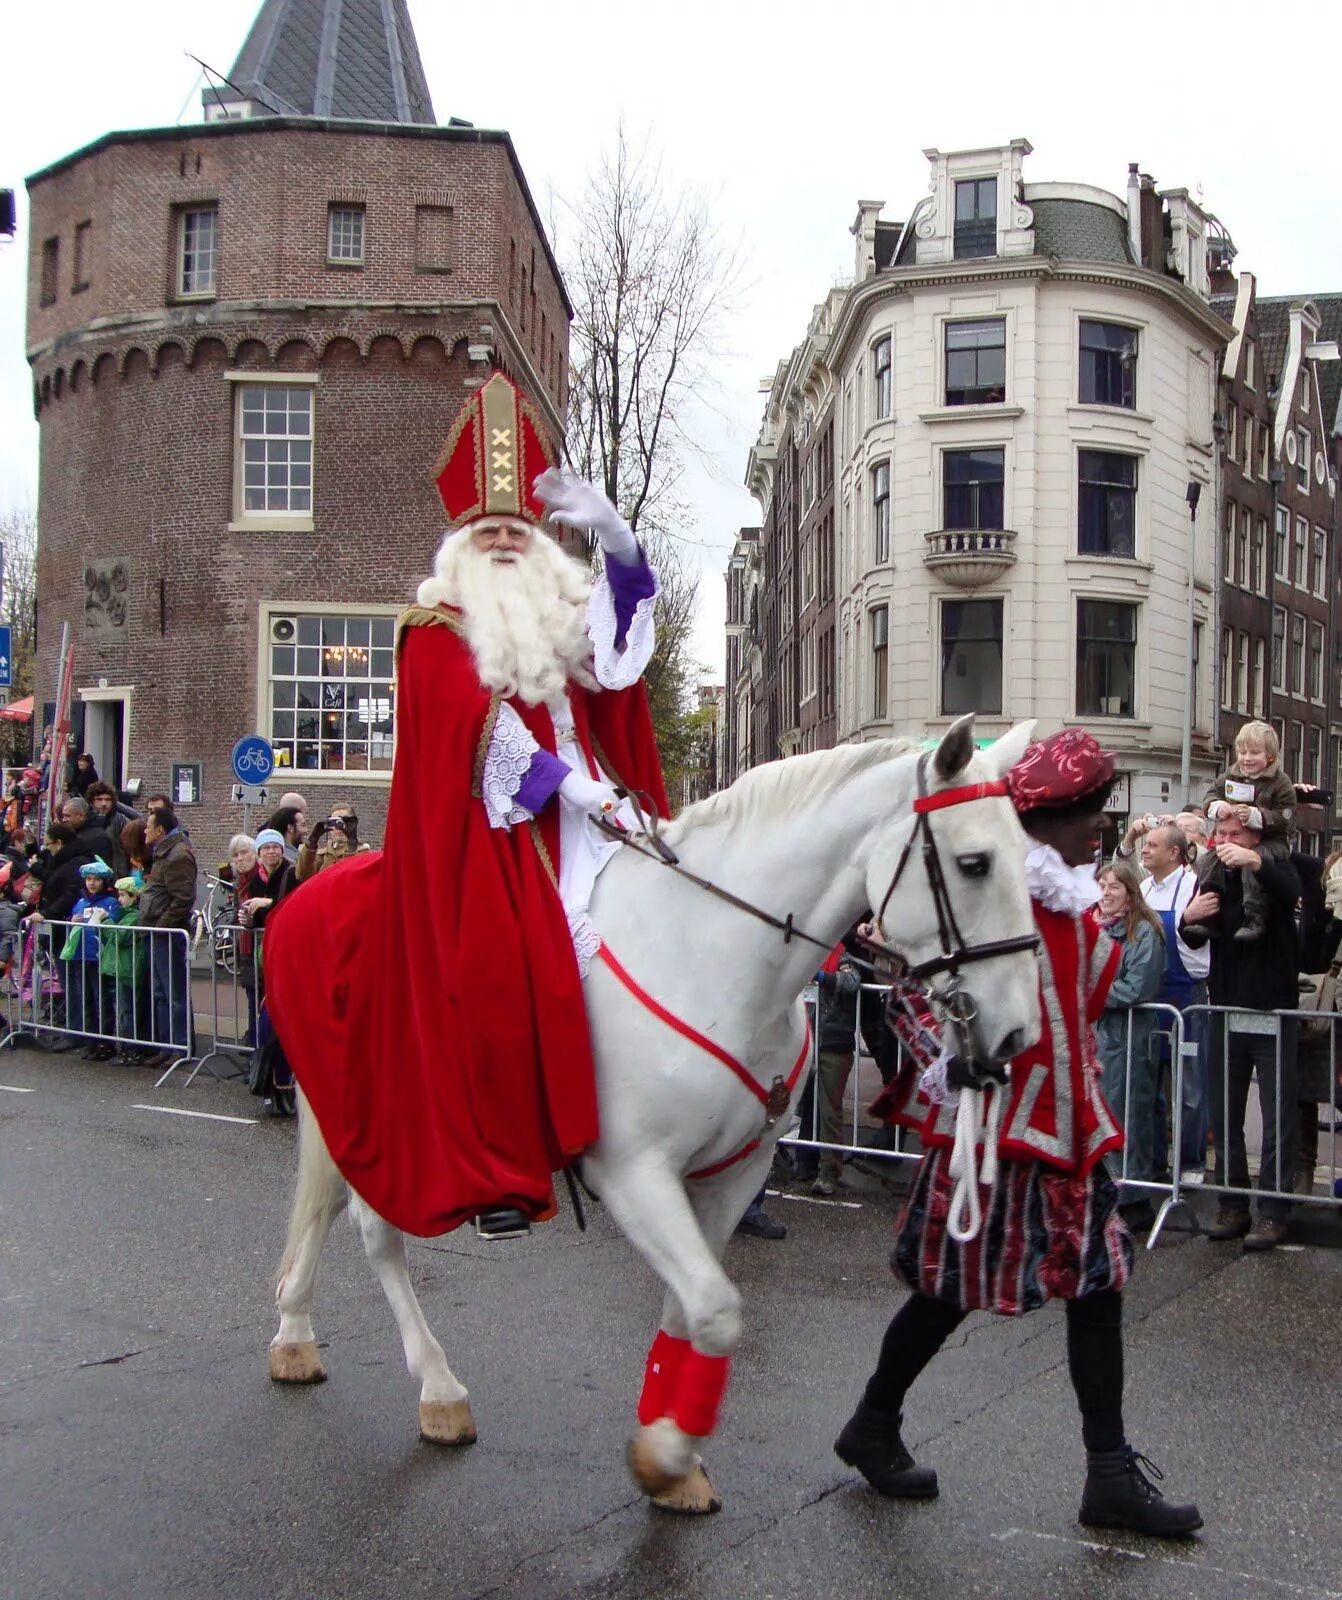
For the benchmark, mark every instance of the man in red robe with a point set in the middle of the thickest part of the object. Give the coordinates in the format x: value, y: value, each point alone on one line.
x: 429, y: 996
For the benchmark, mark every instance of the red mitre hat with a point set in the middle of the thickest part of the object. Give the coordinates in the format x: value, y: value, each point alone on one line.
x: 1056, y: 771
x: 494, y: 453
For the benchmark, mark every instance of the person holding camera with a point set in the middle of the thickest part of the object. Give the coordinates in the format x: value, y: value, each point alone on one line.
x: 329, y: 842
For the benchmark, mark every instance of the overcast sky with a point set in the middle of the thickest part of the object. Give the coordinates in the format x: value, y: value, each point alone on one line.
x: 783, y: 114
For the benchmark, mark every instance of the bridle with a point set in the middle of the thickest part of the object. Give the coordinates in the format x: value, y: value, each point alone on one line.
x: 955, y: 951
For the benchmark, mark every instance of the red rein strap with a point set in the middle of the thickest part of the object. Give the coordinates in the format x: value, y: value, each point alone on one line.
x: 743, y: 1076
x: 955, y: 797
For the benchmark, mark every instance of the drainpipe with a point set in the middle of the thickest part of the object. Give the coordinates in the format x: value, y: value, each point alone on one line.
x: 1192, y: 495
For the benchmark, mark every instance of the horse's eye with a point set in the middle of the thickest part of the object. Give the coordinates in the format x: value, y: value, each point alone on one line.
x: 975, y: 863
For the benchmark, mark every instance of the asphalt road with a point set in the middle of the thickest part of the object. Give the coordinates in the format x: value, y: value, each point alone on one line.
x: 144, y: 1453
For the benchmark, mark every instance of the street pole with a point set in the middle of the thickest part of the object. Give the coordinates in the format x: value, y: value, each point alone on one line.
x: 1192, y: 495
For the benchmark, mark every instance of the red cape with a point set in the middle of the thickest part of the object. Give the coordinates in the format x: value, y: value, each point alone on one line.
x: 427, y: 995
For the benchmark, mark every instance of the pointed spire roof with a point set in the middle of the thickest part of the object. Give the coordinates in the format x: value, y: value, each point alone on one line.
x: 355, y: 59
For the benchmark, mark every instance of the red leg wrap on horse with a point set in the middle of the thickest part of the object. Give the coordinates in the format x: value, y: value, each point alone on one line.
x: 703, y: 1382
x: 661, y: 1376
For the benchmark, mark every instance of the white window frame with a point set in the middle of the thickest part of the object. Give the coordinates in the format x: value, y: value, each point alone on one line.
x: 1297, y: 664
x: 880, y: 663
x: 265, y: 520
x: 1231, y: 535
x: 1300, y: 558
x: 1315, y: 679
x: 1227, y: 667
x: 1279, y: 661
x: 343, y: 257
x: 1259, y: 697
x: 883, y: 377
x: 1281, y: 545
x: 1318, y: 557
x: 1304, y: 455
x: 197, y: 291
x: 1135, y: 606
x: 1243, y: 689
x: 880, y: 558
x: 270, y: 613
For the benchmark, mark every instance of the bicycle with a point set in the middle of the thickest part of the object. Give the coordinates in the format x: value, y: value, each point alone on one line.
x: 215, y: 920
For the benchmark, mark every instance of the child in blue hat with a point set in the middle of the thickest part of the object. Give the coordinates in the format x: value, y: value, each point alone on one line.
x: 90, y: 1005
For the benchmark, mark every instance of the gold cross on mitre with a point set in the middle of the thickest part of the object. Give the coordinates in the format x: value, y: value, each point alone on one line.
x: 499, y: 404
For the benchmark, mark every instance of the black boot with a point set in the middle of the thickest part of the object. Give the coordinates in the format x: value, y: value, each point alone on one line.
x: 1118, y: 1494
x: 870, y: 1442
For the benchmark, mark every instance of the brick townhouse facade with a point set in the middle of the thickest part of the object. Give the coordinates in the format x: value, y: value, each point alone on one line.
x: 248, y: 341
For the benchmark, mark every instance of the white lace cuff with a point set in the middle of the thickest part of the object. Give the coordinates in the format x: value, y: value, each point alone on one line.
x: 617, y: 669
x: 507, y: 762
x: 586, y: 940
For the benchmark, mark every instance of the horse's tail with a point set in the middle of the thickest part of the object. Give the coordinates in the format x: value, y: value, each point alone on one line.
x: 320, y: 1191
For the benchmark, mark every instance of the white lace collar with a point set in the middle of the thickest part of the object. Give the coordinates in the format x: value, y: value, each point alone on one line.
x: 1056, y: 886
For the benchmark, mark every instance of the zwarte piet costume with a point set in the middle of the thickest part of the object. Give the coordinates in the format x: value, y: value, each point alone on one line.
x: 1051, y: 1227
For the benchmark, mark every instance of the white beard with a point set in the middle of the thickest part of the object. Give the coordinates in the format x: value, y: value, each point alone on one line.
x: 525, y: 617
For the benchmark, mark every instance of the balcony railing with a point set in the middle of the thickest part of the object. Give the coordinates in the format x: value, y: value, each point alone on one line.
x: 970, y: 557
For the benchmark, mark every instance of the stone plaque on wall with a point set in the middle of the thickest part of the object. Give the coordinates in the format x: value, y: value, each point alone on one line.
x: 107, y: 597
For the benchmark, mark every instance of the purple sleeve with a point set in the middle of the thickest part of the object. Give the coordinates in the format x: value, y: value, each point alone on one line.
x: 628, y: 585
x: 541, y: 780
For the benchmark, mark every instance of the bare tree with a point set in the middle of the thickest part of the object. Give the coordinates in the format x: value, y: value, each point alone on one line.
x: 18, y: 608
x: 650, y: 282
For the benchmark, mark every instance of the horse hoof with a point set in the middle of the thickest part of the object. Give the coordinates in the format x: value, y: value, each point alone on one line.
x: 645, y: 1462
x: 296, y: 1363
x: 690, y: 1496
x: 446, y: 1422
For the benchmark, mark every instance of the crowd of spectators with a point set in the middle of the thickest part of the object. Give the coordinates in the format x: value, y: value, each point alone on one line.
x: 1249, y: 927
x: 104, y: 869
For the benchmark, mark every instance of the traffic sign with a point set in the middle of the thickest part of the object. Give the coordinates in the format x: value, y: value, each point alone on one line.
x: 253, y: 759
x: 6, y: 660
x: 250, y: 794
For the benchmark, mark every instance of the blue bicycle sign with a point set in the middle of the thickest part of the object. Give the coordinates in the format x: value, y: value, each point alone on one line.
x: 253, y: 759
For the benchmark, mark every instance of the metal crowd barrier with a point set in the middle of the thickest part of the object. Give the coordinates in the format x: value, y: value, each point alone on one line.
x: 1265, y: 1047
x: 236, y: 991
x: 137, y: 1013
x: 1170, y: 1061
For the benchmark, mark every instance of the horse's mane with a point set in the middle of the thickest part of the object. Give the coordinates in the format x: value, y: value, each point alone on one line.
x: 777, y: 788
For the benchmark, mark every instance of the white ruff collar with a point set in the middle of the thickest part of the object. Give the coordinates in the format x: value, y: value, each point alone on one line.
x: 1056, y: 886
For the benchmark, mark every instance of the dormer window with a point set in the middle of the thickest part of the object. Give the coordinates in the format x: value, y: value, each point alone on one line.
x: 975, y: 218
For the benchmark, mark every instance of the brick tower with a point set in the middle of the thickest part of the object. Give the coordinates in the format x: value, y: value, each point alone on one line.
x: 248, y: 340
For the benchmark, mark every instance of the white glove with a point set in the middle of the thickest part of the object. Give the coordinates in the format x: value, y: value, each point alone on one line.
x: 582, y: 505
x: 586, y: 794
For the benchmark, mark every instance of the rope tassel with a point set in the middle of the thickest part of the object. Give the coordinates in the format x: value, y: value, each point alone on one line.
x: 978, y: 1114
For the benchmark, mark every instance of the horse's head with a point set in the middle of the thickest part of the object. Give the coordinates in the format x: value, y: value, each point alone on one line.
x: 948, y: 888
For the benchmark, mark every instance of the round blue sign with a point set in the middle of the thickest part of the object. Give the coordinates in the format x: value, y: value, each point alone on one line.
x: 253, y: 759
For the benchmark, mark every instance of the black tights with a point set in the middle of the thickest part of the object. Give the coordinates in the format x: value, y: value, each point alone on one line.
x: 1094, y: 1357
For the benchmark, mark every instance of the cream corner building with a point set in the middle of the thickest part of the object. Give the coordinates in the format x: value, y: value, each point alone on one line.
x: 1023, y: 380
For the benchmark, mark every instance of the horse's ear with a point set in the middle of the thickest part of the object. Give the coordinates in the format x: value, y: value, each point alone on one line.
x: 1005, y: 752
x: 956, y: 749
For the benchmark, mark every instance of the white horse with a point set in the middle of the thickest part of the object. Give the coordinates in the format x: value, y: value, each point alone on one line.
x: 685, y: 1141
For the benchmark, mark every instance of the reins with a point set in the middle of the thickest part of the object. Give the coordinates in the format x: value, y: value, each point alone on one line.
x: 665, y: 856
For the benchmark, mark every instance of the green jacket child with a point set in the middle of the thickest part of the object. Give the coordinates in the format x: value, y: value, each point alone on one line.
x: 122, y: 956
